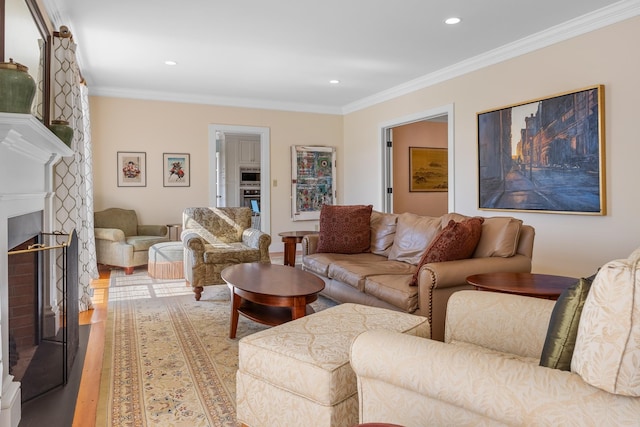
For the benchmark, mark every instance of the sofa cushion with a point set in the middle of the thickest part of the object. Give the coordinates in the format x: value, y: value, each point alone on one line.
x: 563, y: 326
x: 230, y: 253
x: 319, y: 263
x: 500, y: 236
x: 607, y: 351
x: 354, y: 272
x: 458, y: 240
x: 393, y: 289
x: 414, y: 233
x: 143, y: 243
x: 345, y: 229
x: 383, y: 230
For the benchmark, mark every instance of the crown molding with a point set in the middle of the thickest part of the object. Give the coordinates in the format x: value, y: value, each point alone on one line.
x: 584, y: 24
x: 609, y: 15
x: 213, y: 100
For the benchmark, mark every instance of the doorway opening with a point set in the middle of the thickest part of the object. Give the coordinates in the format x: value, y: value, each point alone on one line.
x: 239, y: 169
x: 441, y: 116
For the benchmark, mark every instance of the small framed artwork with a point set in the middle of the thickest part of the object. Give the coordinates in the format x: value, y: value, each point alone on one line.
x: 544, y: 155
x: 132, y: 169
x: 176, y: 169
x: 313, y: 180
x: 428, y: 169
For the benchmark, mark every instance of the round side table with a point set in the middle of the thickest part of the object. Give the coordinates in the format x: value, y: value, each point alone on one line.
x: 291, y: 239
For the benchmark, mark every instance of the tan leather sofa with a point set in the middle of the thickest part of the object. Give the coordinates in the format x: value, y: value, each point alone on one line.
x: 487, y: 371
x: 382, y: 277
x: 121, y: 241
x: 216, y: 238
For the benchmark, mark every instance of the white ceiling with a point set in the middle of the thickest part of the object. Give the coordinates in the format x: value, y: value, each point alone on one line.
x: 282, y: 53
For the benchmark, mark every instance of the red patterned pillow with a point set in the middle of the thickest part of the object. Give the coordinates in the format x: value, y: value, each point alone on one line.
x: 345, y: 229
x: 458, y: 240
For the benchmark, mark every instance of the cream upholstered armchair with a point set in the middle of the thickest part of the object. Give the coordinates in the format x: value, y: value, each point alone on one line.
x: 215, y: 238
x: 514, y: 360
x: 121, y: 241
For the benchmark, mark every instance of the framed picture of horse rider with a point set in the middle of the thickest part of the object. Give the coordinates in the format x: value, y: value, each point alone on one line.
x: 176, y: 170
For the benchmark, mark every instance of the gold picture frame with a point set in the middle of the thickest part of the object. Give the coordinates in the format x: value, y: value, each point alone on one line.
x: 545, y: 155
x: 428, y: 169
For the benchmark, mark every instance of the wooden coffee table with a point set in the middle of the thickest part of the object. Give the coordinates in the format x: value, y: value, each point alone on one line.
x: 270, y: 294
x: 528, y: 284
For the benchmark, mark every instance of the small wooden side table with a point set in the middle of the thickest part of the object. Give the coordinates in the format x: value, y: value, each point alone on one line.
x: 174, y: 231
x: 291, y: 239
x: 528, y: 284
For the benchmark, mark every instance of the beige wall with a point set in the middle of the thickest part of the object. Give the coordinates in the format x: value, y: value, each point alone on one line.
x: 419, y: 134
x: 574, y: 245
x: 565, y: 244
x: 165, y: 127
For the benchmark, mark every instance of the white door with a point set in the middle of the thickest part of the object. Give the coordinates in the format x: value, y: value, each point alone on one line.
x: 216, y: 162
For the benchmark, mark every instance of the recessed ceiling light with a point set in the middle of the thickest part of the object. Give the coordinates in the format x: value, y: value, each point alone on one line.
x: 170, y: 63
x: 452, y: 21
x: 334, y: 81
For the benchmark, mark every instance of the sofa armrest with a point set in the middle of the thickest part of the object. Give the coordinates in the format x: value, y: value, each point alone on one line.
x: 113, y: 234
x: 502, y: 322
x: 310, y: 244
x: 455, y: 273
x: 257, y: 239
x: 406, y: 382
x: 152, y: 230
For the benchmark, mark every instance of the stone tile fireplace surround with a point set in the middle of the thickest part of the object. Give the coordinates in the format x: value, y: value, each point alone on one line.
x: 28, y: 153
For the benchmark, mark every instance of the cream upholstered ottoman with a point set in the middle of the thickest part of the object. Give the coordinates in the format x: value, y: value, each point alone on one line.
x: 298, y: 373
x: 166, y: 260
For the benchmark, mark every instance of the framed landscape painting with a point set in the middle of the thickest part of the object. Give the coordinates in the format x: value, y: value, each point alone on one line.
x: 544, y: 155
x: 176, y: 170
x: 428, y: 169
x: 132, y: 169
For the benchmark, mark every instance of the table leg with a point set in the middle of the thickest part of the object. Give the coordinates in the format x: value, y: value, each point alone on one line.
x: 235, y: 303
x: 289, y: 251
x: 299, y: 308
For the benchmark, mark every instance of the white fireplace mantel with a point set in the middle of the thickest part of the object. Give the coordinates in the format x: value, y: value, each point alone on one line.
x: 29, y: 152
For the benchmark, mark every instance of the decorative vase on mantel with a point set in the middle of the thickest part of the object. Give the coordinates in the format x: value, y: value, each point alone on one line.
x: 17, y: 88
x: 62, y: 130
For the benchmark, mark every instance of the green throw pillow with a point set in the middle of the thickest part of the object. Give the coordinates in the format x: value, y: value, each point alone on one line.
x: 563, y: 326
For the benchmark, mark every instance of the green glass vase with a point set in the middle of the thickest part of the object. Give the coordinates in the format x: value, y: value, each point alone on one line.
x: 17, y: 88
x: 62, y: 130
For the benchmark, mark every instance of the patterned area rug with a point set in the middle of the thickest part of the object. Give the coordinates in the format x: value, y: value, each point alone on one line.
x: 168, y: 358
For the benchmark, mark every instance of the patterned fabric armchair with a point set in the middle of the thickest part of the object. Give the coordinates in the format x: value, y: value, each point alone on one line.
x: 121, y: 241
x: 215, y: 238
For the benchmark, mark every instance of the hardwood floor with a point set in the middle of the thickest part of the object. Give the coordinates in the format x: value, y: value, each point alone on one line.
x: 87, y: 402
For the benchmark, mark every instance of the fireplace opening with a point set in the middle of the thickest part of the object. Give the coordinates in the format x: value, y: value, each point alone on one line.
x: 43, y: 337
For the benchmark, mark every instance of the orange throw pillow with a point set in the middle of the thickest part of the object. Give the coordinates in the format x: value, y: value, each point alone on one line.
x: 345, y: 229
x: 458, y: 240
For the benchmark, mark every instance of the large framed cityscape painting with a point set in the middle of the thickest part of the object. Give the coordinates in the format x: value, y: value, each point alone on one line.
x: 313, y: 182
x: 545, y: 155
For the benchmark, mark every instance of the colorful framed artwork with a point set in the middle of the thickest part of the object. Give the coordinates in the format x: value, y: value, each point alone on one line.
x: 176, y: 170
x: 428, y: 169
x: 544, y: 155
x: 132, y: 169
x: 313, y: 172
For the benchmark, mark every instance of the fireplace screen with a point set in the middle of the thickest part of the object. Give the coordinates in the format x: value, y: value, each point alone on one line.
x: 43, y: 340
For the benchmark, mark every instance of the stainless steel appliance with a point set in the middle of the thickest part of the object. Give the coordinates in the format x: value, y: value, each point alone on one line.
x: 249, y: 176
x: 249, y: 194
